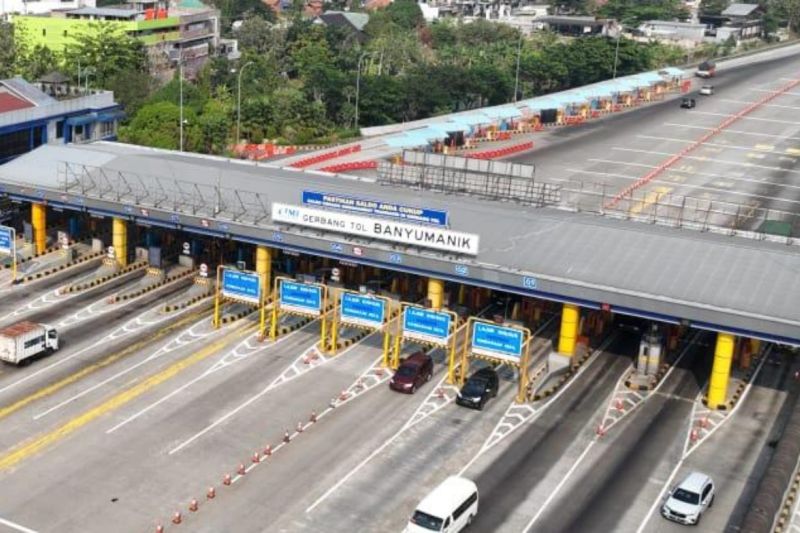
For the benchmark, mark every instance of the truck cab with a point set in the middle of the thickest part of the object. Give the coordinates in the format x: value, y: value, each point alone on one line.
x: 706, y: 69
x: 51, y: 340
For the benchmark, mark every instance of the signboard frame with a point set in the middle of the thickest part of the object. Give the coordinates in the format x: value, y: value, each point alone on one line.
x: 11, y: 249
x: 362, y: 322
x: 277, y: 308
x: 339, y: 317
x: 480, y: 346
x: 219, y: 293
x: 366, y: 206
x: 254, y: 299
x: 419, y: 335
x: 297, y: 308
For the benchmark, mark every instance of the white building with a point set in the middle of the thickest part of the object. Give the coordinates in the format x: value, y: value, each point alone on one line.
x: 673, y: 31
x: 40, y: 7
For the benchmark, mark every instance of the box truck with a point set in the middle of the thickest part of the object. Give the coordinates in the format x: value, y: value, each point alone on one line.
x: 706, y: 69
x: 26, y: 339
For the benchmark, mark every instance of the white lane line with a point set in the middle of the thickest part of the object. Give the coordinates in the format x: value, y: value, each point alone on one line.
x: 787, y: 93
x: 678, y: 171
x: 558, y: 487
x: 167, y: 348
x: 737, y: 132
x: 707, y: 159
x: 715, y: 145
x: 224, y: 418
x: 762, y: 105
x: 214, y: 368
x: 690, y: 186
x: 15, y: 526
x: 745, y: 117
x: 686, y: 454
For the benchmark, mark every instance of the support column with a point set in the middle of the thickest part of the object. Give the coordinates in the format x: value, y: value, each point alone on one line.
x: 264, y: 263
x: 570, y: 318
x: 435, y: 292
x: 39, y: 223
x: 721, y: 371
x: 119, y: 239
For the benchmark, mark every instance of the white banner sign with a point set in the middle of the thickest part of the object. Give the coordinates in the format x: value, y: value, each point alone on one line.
x: 375, y: 228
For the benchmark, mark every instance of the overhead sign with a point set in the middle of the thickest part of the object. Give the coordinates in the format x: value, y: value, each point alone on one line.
x: 363, y: 310
x: 426, y: 325
x: 300, y: 297
x: 386, y: 230
x: 6, y: 240
x: 497, y: 341
x: 374, y: 207
x: 241, y: 285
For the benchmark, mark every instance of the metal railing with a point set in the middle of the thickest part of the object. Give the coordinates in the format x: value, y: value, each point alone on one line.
x: 171, y: 194
x: 484, y: 179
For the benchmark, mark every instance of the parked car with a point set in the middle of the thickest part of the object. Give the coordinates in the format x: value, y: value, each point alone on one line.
x: 707, y: 90
x: 687, y: 502
x: 688, y: 103
x: 449, y: 508
x: 413, y: 372
x: 477, y: 390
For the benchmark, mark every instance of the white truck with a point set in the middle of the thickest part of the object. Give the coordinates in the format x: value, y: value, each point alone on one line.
x: 26, y: 339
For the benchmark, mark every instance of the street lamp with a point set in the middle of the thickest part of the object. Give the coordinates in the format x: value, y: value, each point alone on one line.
x: 358, y: 81
x: 516, y: 78
x: 616, y: 52
x: 86, y: 72
x: 180, y: 83
x: 239, y: 102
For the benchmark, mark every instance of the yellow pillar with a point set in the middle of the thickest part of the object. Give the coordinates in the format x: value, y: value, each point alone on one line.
x: 462, y: 294
x: 570, y: 318
x: 39, y: 223
x: 119, y: 239
x: 435, y: 292
x: 264, y: 263
x: 755, y: 346
x: 721, y: 370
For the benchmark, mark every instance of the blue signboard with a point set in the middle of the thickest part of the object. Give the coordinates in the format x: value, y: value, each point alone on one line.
x: 374, y: 207
x: 241, y: 285
x: 425, y: 324
x: 6, y: 240
x: 361, y: 309
x: 497, y: 341
x: 301, y: 297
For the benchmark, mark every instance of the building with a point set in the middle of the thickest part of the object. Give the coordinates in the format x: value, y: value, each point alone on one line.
x: 29, y: 117
x: 353, y: 23
x: 745, y: 19
x: 188, y: 33
x: 673, y: 30
x: 578, y: 26
x: 40, y: 7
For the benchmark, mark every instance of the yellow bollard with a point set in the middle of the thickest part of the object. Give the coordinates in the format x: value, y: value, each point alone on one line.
x: 570, y: 318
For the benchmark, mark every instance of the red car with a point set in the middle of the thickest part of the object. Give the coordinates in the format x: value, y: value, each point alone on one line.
x: 414, y: 371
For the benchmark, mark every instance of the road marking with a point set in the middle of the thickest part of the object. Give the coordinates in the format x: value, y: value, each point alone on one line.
x: 560, y: 484
x: 723, y: 161
x: 15, y: 526
x: 793, y: 151
x: 787, y: 93
x: 246, y: 403
x: 650, y: 198
x: 686, y: 454
x: 216, y: 367
x: 19, y: 453
x: 745, y: 117
x: 737, y: 132
x: 752, y: 103
x: 765, y: 147
x: 708, y: 145
x: 72, y: 378
x: 163, y: 350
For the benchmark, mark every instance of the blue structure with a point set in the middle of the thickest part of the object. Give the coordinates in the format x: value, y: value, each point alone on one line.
x: 30, y: 117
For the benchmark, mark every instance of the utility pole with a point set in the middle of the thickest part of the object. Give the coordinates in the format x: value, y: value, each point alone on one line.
x: 616, y: 52
x: 239, y: 102
x: 516, y: 78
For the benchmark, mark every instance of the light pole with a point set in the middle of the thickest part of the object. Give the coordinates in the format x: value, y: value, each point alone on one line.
x: 180, y: 83
x: 86, y: 72
x: 616, y: 53
x: 239, y: 102
x: 358, y: 81
x: 516, y: 78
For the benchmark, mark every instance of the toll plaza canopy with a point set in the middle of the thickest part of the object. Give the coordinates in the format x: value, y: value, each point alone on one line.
x: 707, y: 280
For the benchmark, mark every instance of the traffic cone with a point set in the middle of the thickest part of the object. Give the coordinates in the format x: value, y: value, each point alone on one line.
x: 159, y: 528
x: 256, y: 458
x: 241, y: 471
x: 343, y: 396
x: 267, y: 450
x: 440, y: 393
x: 313, y: 417
x: 226, y: 480
x: 299, y: 428
x: 176, y: 518
x: 618, y: 405
x: 286, y: 437
x: 600, y: 431
x: 211, y: 493
x: 193, y: 505
x: 694, y: 435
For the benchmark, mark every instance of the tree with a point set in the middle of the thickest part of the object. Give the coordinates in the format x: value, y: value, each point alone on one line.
x: 406, y: 14
x: 634, y: 12
x: 107, y: 49
x: 713, y: 7
x: 158, y: 125
x: 131, y: 89
x: 9, y: 51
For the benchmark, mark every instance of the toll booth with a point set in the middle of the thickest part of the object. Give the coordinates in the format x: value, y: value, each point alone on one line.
x: 242, y: 286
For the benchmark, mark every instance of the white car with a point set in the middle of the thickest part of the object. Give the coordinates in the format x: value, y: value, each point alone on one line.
x: 707, y: 90
x: 689, y: 500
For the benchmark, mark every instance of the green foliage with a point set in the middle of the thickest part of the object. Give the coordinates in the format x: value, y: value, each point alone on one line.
x: 106, y: 50
x: 158, y: 125
x: 713, y: 7
x: 406, y: 14
x: 634, y: 12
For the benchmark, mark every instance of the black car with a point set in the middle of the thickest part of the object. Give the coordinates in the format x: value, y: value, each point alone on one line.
x: 477, y: 390
x: 688, y: 103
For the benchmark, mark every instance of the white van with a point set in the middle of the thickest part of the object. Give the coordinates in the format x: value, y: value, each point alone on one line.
x: 449, y: 508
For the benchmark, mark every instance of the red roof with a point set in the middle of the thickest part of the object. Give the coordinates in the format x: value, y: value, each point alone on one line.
x: 20, y: 328
x: 9, y: 102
